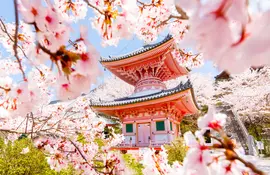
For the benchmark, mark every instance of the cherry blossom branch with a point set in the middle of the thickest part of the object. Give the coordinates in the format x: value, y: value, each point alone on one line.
x: 5, y: 89
x: 43, y: 124
x: 169, y: 18
x: 182, y: 12
x: 92, y: 6
x: 47, y: 51
x: 12, y: 131
x: 251, y: 166
x: 157, y: 165
x: 188, y: 55
x: 144, y: 4
x: 230, y: 153
x: 20, y: 124
x: 95, y: 167
x: 16, y: 38
x: 78, y: 149
x: 4, y: 29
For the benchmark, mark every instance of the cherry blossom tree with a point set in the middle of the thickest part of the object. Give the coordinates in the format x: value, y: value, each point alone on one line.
x: 111, y: 89
x: 247, y: 92
x: 52, y: 62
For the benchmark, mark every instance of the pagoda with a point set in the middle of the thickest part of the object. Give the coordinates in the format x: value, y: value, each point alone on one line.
x: 151, y: 116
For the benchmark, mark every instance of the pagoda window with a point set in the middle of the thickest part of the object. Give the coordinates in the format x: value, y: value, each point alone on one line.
x: 129, y: 128
x: 160, y: 126
x: 171, y: 126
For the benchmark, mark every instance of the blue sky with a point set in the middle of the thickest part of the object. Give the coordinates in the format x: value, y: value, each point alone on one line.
x: 7, y: 12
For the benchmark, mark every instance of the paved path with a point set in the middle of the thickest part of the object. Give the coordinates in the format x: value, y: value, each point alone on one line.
x: 264, y: 165
x: 261, y: 163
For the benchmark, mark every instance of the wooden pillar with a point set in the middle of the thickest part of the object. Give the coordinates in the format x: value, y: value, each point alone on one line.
x: 153, y: 130
x: 179, y: 130
x: 167, y: 129
x: 136, y: 133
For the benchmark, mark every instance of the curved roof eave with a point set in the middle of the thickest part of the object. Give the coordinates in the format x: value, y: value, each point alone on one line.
x: 137, y: 52
x: 131, y: 100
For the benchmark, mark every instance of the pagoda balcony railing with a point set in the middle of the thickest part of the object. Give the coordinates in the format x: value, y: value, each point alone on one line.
x: 149, y: 82
x: 150, y: 144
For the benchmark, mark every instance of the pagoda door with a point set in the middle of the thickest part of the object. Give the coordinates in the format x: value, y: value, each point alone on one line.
x: 144, y: 130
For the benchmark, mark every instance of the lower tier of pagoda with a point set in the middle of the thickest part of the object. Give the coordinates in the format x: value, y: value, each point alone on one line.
x: 151, y: 120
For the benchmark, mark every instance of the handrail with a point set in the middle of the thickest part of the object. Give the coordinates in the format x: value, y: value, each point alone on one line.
x: 243, y: 128
x: 252, y: 149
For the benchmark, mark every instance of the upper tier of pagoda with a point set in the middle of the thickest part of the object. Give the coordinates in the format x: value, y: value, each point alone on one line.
x: 148, y: 66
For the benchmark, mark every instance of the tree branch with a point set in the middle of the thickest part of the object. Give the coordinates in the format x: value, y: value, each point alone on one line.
x: 92, y: 6
x: 4, y: 29
x: 77, y: 148
x: 183, y: 14
x: 47, y: 51
x: 5, y: 89
x: 16, y: 38
x: 169, y: 18
x: 251, y: 166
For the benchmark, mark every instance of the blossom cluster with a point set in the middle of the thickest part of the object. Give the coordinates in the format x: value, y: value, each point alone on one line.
x: 225, y: 32
x: 70, y: 134
x: 220, y: 157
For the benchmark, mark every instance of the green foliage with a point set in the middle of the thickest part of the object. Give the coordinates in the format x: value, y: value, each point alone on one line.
x: 256, y: 130
x: 218, y: 104
x: 117, y: 129
x: 188, y: 125
x: 133, y: 164
x: 176, y: 150
x: 12, y: 162
x: 204, y: 109
x: 99, y: 142
x: 266, y: 150
x: 81, y: 139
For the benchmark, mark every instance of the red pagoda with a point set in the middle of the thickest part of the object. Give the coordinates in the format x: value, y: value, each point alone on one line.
x: 152, y: 114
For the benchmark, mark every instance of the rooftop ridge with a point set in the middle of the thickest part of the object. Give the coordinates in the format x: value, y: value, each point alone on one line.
x: 136, y: 52
x: 129, y: 100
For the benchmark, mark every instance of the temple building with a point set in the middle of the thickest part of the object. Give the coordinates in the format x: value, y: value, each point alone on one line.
x: 151, y: 116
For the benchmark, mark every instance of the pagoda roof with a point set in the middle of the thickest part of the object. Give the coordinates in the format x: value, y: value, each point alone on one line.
x: 130, y: 100
x: 138, y: 51
x: 154, y: 59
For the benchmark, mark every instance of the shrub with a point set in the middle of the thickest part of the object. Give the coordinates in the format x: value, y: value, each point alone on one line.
x: 133, y: 164
x: 176, y: 150
x: 12, y: 162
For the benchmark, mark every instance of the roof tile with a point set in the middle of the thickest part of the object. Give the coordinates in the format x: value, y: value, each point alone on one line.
x: 130, y: 100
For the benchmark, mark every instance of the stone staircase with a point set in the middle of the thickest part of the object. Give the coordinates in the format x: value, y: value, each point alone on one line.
x: 236, y: 128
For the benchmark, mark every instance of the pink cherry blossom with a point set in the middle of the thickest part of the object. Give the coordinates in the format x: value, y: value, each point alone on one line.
x: 212, y: 120
x: 12, y: 137
x: 31, y: 10
x: 84, y: 35
x: 54, y: 40
x: 87, y: 65
x: 71, y: 10
x: 80, y: 82
x: 25, y: 150
x: 65, y: 90
x: 49, y: 21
